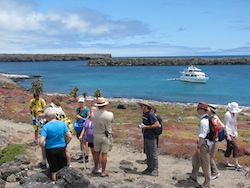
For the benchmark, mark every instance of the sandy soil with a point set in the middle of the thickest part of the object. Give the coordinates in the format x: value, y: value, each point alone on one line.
x: 173, y: 172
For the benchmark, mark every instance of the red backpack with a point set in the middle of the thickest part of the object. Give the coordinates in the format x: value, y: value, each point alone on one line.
x: 216, y: 128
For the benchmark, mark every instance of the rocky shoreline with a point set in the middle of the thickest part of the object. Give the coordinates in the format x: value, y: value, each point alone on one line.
x: 168, y: 61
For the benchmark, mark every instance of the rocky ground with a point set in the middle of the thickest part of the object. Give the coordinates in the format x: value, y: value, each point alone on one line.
x: 124, y: 164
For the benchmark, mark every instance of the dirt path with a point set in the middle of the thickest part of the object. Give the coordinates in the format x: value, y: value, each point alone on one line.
x: 171, y: 170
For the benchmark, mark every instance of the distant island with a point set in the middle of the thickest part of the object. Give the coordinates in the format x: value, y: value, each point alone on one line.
x: 108, y: 60
x: 168, y: 61
x: 50, y: 57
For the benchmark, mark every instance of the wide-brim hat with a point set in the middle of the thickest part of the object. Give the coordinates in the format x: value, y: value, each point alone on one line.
x: 101, y: 102
x: 145, y: 103
x: 203, y: 105
x: 233, y: 107
x: 212, y: 107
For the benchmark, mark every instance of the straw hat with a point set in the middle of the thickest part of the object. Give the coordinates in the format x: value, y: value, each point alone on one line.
x: 101, y: 102
x: 233, y: 107
x: 145, y: 103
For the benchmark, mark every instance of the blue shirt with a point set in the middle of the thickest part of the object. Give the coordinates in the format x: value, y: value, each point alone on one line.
x: 149, y: 119
x: 54, y: 134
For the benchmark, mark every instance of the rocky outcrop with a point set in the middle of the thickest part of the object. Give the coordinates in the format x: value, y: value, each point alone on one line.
x: 18, y: 171
x: 66, y: 177
x: 167, y: 61
x: 50, y: 57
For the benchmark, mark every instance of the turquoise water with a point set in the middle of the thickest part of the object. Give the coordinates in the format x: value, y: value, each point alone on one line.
x: 226, y: 83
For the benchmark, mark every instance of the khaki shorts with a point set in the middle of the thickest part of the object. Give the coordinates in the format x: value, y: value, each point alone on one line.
x: 101, y: 143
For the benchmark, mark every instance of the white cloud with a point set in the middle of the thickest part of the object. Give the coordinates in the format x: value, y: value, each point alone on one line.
x: 22, y: 24
x: 27, y: 28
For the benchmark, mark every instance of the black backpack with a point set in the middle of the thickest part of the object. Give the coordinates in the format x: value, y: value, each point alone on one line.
x: 158, y: 131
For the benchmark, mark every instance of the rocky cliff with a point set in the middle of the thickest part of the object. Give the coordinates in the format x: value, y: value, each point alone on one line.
x: 168, y: 61
x: 107, y: 60
x: 50, y: 57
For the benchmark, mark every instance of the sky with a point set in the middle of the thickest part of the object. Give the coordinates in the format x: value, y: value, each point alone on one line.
x: 126, y: 28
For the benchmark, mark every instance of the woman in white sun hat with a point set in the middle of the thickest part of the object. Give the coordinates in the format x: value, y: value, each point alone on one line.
x: 230, y: 121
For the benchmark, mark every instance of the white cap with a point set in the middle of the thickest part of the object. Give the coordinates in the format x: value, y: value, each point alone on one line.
x: 81, y: 99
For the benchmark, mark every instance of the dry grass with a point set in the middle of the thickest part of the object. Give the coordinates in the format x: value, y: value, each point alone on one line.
x: 180, y: 123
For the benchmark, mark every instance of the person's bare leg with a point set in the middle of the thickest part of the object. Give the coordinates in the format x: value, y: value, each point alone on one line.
x: 104, y: 162
x: 86, y: 149
x: 226, y: 160
x: 100, y: 161
x: 68, y: 156
x: 36, y: 134
x: 43, y: 153
x: 96, y: 160
x: 53, y: 176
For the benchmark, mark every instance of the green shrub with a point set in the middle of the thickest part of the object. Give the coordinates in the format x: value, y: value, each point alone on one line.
x: 74, y: 92
x: 11, y: 151
x: 37, y: 86
x: 98, y: 93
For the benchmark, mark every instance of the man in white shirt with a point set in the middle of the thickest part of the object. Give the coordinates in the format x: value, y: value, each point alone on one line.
x: 201, y: 157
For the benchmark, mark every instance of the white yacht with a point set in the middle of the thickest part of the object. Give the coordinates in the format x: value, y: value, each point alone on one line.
x: 193, y: 74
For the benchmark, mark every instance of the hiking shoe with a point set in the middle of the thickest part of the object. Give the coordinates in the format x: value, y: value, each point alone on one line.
x: 42, y: 165
x: 229, y: 165
x: 238, y: 167
x: 146, y: 171
x: 213, y: 177
x: 154, y: 173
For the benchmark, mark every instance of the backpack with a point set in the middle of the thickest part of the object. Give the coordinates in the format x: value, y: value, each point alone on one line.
x: 216, y: 129
x: 158, y: 131
x: 221, y: 136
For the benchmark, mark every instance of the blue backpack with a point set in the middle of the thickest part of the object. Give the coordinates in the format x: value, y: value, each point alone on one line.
x: 78, y: 125
x: 221, y: 136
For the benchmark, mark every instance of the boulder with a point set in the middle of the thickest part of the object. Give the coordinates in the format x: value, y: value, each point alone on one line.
x: 70, y: 177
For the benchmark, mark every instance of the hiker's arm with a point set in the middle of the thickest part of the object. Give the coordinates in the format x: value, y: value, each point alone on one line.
x: 200, y: 142
x: 68, y: 137
x: 78, y: 116
x: 41, y: 141
x: 83, y: 131
x: 154, y: 126
x: 227, y: 124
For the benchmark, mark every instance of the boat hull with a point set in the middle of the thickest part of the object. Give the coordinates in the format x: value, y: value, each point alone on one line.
x: 195, y: 80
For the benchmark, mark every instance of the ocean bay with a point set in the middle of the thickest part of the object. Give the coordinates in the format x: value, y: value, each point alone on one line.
x: 226, y: 82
